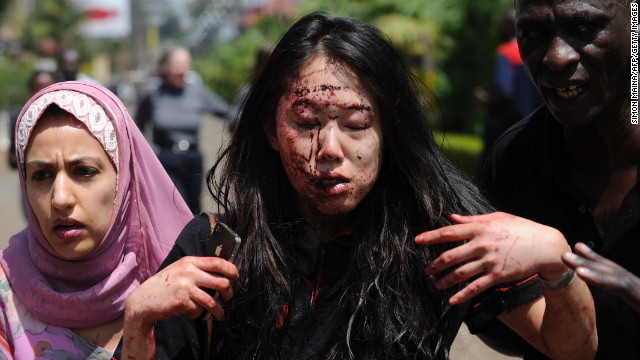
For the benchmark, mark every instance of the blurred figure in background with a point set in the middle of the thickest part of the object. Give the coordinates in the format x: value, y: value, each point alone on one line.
x: 175, y: 108
x: 235, y: 109
x: 513, y: 95
x: 69, y: 66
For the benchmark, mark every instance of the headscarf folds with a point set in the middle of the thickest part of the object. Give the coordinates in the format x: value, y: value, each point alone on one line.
x: 147, y: 217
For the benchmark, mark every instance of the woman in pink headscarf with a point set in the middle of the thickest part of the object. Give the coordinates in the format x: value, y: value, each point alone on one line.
x: 102, y: 215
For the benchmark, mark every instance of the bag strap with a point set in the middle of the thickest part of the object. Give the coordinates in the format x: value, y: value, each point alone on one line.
x: 209, y: 319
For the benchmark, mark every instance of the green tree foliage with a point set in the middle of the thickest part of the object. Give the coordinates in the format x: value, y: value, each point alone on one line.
x: 13, y: 82
x: 55, y: 19
x: 230, y: 65
x: 468, y: 61
x: 4, y: 5
x: 449, y: 44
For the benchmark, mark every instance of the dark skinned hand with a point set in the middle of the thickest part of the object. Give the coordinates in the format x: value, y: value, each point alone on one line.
x: 604, y: 274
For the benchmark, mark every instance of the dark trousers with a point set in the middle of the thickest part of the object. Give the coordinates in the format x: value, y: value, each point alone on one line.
x: 185, y: 169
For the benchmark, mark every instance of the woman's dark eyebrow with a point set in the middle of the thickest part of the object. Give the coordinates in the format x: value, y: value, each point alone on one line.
x: 74, y: 162
x: 37, y: 164
x: 84, y: 159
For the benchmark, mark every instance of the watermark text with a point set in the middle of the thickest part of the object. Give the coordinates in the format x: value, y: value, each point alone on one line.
x: 634, y: 63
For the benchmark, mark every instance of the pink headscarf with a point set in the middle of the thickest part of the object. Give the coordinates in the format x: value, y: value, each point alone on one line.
x: 148, y: 215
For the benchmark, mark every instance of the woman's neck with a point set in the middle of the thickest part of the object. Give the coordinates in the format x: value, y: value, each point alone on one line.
x: 106, y: 336
x: 320, y: 230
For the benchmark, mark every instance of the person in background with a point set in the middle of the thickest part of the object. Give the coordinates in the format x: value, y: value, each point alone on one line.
x: 175, y: 108
x: 513, y: 95
x: 344, y: 203
x: 573, y: 163
x: 69, y: 66
x: 101, y: 215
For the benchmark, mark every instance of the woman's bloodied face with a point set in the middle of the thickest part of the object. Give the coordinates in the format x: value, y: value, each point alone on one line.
x: 329, y: 137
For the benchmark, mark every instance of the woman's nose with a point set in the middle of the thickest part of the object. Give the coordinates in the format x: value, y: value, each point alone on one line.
x: 330, y: 147
x: 62, y: 195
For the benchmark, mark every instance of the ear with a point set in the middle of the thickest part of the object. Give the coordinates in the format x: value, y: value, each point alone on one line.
x: 270, y: 132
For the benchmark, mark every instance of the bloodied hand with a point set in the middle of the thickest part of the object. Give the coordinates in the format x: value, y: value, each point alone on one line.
x: 177, y: 290
x: 496, y: 248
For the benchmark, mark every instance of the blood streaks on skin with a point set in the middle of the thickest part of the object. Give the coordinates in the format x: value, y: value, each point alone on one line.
x: 302, y: 100
x: 300, y: 103
x: 359, y: 107
x: 301, y: 92
x: 311, y: 136
x: 323, y: 100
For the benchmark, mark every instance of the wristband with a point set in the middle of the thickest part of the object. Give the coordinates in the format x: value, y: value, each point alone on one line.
x: 562, y: 282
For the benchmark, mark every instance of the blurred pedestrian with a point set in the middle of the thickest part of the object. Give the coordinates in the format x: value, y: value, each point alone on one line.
x: 175, y: 108
x: 69, y: 66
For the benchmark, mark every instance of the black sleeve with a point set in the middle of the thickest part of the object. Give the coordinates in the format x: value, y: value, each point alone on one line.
x: 144, y: 111
x: 214, y: 103
x: 180, y: 338
x: 493, y: 302
x: 498, y: 173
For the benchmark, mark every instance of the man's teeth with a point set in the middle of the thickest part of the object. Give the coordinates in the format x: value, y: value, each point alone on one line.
x: 569, y: 92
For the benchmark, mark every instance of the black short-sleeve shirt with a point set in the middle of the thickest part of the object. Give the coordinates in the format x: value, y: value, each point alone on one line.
x: 524, y: 176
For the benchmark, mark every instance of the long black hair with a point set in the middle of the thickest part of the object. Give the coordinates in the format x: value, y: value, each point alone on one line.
x: 391, y: 308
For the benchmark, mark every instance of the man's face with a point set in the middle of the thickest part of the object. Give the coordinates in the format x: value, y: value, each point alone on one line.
x: 578, y: 54
x: 179, y: 65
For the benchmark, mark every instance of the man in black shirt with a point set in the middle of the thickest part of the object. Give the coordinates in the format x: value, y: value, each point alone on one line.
x: 573, y: 164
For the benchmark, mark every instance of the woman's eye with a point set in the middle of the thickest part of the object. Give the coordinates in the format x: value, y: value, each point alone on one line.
x: 85, y: 171
x: 40, y: 175
x: 307, y: 124
x: 358, y: 127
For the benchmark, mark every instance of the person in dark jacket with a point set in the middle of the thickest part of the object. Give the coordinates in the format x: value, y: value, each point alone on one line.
x: 574, y: 163
x: 175, y: 107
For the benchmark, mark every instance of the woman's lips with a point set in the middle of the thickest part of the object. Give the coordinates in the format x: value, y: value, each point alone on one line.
x: 332, y: 186
x: 67, y: 230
